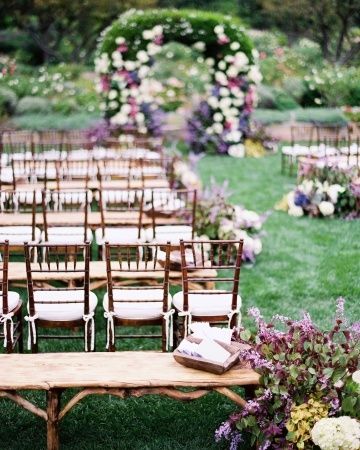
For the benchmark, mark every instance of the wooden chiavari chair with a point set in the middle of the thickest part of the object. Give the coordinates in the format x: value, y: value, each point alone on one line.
x: 75, y: 172
x: 32, y: 171
x: 138, y: 305
x: 62, y: 204
x: 127, y: 206
x: 220, y: 305
x: 13, y: 204
x: 10, y: 306
x: 179, y: 207
x: 54, y: 307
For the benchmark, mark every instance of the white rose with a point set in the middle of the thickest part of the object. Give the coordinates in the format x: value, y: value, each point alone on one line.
x: 237, y: 151
x: 295, y: 211
x: 143, y: 130
x: 333, y: 192
x: 213, y: 102
x: 210, y: 62
x: 234, y: 136
x: 235, y: 46
x: 222, y: 65
x: 219, y: 29
x: 113, y: 104
x: 218, y: 117
x: 221, y: 78
x: 218, y: 128
x: 125, y: 109
x: 120, y: 40
x: 140, y: 118
x: 255, y: 75
x: 209, y: 130
x: 153, y: 49
x: 356, y: 376
x: 148, y: 35
x: 158, y: 30
x: 225, y: 103
x: 232, y: 71
x: 102, y: 63
x: 241, y: 60
x: 143, y: 71
x: 112, y: 94
x: 224, y: 92
x: 142, y: 56
x: 200, y: 46
x: 238, y: 102
x: 130, y: 65
x: 119, y: 119
x: 326, y: 208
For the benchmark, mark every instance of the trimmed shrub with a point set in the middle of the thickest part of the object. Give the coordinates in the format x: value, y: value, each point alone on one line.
x: 33, y: 105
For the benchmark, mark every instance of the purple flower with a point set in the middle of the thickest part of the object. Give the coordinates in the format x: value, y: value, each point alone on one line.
x: 223, y: 432
x: 301, y: 199
x: 235, y: 440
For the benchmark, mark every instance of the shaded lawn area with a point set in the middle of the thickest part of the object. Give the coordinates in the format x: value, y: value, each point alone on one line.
x: 305, y: 265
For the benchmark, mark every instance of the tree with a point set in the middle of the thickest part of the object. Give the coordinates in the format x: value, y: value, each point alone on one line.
x: 63, y: 29
x: 328, y: 22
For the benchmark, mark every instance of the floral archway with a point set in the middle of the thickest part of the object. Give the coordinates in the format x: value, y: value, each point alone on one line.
x: 127, y: 51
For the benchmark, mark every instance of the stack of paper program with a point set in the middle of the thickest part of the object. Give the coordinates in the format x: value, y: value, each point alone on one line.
x: 208, y: 348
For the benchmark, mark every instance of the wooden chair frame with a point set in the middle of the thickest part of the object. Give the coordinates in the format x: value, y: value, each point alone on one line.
x: 65, y: 259
x: 121, y: 258
x: 224, y: 255
x: 6, y: 317
x: 184, y: 216
x: 49, y: 197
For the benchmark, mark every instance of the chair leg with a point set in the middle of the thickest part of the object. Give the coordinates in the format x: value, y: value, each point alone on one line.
x: 20, y: 332
x: 176, y: 337
x: 9, y: 344
x: 111, y: 338
x: 34, y: 345
x: 163, y: 336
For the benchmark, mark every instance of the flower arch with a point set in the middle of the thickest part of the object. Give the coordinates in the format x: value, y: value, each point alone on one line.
x: 127, y: 50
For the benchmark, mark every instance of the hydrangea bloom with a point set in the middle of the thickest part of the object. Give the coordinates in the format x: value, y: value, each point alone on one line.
x: 341, y: 433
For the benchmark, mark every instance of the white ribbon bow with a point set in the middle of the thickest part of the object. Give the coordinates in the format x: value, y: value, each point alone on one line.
x: 32, y: 328
x: 89, y: 318
x: 169, y: 326
x: 4, y: 318
x: 187, y: 321
x: 232, y: 314
x: 109, y: 315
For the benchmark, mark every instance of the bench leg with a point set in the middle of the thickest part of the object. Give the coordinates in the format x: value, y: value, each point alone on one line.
x: 53, y: 409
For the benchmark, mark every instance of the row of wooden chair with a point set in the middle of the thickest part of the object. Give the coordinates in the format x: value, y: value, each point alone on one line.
x: 126, y: 208
x: 36, y: 171
x: 135, y: 304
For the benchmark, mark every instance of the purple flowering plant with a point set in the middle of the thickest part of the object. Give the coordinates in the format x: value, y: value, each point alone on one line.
x: 297, y: 363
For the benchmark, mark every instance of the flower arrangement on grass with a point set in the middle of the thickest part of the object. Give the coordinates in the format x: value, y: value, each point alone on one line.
x: 320, y: 199
x: 132, y: 98
x: 217, y: 218
x: 309, y: 386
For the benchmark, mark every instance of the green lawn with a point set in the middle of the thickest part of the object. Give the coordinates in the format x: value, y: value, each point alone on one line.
x: 305, y: 265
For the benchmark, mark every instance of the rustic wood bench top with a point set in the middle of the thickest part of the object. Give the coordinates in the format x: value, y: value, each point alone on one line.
x: 121, y: 374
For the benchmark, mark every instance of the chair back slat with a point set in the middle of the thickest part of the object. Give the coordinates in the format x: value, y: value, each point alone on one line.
x: 4, y: 273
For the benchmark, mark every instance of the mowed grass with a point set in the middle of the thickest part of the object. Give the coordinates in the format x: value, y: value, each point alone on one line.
x: 305, y: 265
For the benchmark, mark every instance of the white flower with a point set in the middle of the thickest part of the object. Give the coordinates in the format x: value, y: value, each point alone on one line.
x: 241, y: 60
x: 200, y: 46
x: 148, y: 35
x: 219, y: 29
x: 113, y: 104
x: 233, y: 136
x: 140, y: 118
x: 333, y: 192
x: 218, y: 117
x: 232, y: 71
x: 226, y: 226
x: 143, y: 71
x: 112, y: 94
x: 224, y: 92
x: 296, y: 211
x: 225, y: 103
x: 221, y: 78
x: 237, y: 151
x: 235, y: 46
x: 218, y: 128
x: 142, y: 56
x: 238, y: 101
x: 125, y: 109
x: 153, y: 49
x: 326, y: 208
x: 210, y: 62
x: 356, y: 376
x: 336, y: 433
x: 209, y: 130
x: 190, y: 179
x: 246, y: 218
x: 158, y: 30
x: 255, y: 75
x: 222, y: 65
x: 130, y: 65
x: 102, y: 63
x: 120, y: 40
x: 257, y: 246
x: 213, y: 102
x: 306, y: 187
x: 119, y: 119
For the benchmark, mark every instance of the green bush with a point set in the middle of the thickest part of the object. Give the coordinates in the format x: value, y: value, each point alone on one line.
x: 270, y: 116
x: 8, y: 100
x: 295, y: 87
x: 55, y: 121
x: 65, y: 106
x: 33, y: 105
x: 321, y: 115
x: 266, y: 97
x: 275, y: 98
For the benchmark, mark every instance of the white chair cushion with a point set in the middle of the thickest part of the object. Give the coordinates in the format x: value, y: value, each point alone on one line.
x: 117, y: 196
x: 62, y: 311
x: 117, y: 235
x: 131, y: 310
x: 170, y: 233
x: 28, y: 196
x: 206, y: 304
x: 17, y: 235
x: 67, y: 235
x: 72, y: 197
x: 6, y: 175
x: 13, y: 301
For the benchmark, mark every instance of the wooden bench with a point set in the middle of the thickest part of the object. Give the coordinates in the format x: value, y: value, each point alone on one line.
x: 121, y: 374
